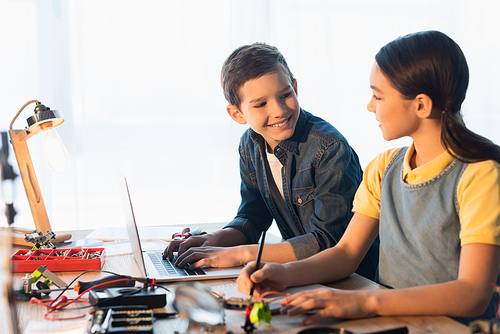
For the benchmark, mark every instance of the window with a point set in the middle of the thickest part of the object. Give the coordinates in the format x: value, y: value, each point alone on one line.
x: 138, y: 84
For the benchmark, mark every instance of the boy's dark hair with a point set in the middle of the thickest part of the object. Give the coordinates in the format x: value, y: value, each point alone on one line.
x: 431, y: 63
x: 250, y: 62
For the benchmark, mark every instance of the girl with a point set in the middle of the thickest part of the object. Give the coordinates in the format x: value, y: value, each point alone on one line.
x: 435, y: 204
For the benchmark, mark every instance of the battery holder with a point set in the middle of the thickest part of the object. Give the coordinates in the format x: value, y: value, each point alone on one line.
x: 150, y: 298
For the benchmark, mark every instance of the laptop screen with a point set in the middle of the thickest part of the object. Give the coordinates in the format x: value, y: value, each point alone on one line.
x: 128, y: 212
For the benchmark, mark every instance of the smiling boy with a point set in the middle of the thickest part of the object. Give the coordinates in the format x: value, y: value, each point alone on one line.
x: 295, y: 168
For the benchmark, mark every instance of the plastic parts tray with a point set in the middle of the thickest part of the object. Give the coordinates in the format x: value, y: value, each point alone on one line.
x: 69, y: 259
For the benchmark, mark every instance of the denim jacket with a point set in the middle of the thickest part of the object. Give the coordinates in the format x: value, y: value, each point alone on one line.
x: 321, y: 174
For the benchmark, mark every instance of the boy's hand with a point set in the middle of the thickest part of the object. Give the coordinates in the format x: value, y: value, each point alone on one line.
x: 225, y: 237
x: 212, y: 256
x: 270, y: 277
x: 181, y: 246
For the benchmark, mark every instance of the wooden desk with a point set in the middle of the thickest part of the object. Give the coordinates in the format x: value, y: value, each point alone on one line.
x: 31, y: 315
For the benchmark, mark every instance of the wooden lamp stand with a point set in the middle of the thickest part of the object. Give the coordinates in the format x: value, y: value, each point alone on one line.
x: 43, y: 119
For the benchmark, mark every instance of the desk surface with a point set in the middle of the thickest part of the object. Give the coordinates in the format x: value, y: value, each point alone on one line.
x: 31, y: 315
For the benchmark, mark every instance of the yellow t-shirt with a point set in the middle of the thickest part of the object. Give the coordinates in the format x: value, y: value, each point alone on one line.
x: 478, y: 193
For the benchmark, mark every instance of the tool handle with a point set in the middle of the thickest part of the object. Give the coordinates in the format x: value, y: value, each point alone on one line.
x: 82, y: 286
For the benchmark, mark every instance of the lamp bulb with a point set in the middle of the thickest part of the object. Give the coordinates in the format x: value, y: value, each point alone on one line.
x: 55, y: 155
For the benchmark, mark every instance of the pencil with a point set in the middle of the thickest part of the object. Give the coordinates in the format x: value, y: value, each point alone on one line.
x: 259, y: 255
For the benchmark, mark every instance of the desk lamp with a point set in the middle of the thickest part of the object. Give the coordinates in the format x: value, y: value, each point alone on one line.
x: 55, y: 155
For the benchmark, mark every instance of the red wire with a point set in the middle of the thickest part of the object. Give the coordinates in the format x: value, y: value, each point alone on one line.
x: 34, y: 300
x: 70, y: 318
x: 37, y: 301
x: 45, y: 316
x: 96, y: 286
x: 267, y: 293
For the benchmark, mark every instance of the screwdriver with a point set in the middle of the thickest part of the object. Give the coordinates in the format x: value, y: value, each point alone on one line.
x: 82, y: 286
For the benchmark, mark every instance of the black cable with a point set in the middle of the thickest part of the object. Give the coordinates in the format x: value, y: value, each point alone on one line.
x: 87, y: 306
x: 143, y: 280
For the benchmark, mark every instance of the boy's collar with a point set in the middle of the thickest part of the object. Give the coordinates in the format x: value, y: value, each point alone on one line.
x: 292, y: 143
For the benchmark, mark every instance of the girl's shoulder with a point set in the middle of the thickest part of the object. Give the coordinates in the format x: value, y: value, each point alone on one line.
x: 488, y: 169
x: 484, y: 165
x: 367, y: 199
x: 480, y: 179
x: 375, y: 169
x: 478, y: 197
x: 379, y: 164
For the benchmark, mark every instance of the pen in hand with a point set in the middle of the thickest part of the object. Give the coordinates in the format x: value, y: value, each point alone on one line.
x: 259, y: 255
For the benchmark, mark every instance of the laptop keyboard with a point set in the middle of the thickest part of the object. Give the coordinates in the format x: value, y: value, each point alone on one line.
x: 167, y: 267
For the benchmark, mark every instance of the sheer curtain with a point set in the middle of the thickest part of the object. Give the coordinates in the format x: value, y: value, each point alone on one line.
x: 138, y: 85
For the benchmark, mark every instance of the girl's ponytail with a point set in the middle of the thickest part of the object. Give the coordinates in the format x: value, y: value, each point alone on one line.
x: 464, y: 144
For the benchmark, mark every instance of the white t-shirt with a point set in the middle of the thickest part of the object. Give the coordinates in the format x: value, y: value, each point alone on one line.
x: 275, y: 166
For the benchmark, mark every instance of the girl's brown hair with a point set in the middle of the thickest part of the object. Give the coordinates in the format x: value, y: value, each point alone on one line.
x: 431, y: 63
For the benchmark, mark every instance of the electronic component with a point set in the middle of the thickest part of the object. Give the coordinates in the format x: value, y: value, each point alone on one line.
x: 41, y: 240
x: 150, y: 298
x: 122, y: 321
x: 47, y: 275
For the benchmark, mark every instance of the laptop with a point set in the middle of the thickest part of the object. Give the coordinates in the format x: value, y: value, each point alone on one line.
x: 151, y: 262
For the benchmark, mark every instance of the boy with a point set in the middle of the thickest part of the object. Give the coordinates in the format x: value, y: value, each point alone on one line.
x: 295, y: 168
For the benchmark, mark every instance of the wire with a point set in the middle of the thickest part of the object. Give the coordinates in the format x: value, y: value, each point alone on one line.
x: 54, y: 307
x: 101, y: 304
x: 161, y: 287
x: 45, y: 316
x: 267, y: 293
x: 19, y: 112
x: 96, y: 286
x: 125, y: 294
x: 34, y: 300
x: 139, y: 279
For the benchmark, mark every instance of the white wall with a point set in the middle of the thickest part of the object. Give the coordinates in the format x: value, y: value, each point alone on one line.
x: 138, y: 84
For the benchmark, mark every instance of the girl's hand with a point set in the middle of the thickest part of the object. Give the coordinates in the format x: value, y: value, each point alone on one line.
x: 270, y: 277
x: 329, y: 303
